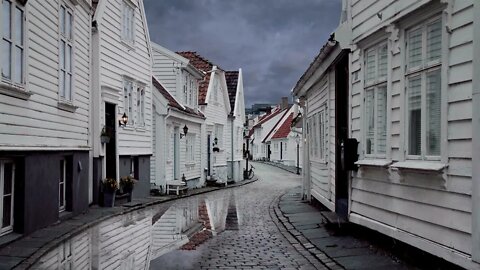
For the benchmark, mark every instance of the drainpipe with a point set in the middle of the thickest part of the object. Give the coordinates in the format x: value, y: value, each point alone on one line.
x: 232, y: 118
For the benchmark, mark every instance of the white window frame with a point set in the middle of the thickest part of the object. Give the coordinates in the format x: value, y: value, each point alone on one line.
x: 376, y: 84
x: 65, y: 257
x: 128, y: 103
x: 9, y: 228
x: 63, y: 94
x: 128, y: 34
x: 421, y: 71
x: 9, y: 83
x: 322, y: 125
x: 219, y: 135
x: 62, y: 186
x: 190, y: 147
x: 317, y: 134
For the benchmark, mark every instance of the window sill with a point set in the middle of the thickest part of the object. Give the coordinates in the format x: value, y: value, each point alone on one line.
x: 15, y: 91
x: 384, y: 163
x: 66, y: 106
x: 427, y: 166
x: 141, y: 129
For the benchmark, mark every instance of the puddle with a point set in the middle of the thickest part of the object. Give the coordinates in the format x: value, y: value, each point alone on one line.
x: 133, y: 240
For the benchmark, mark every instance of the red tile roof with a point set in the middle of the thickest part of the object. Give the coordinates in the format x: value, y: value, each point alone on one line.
x: 172, y: 102
x: 204, y: 65
x: 232, y: 81
x: 284, y: 129
x: 276, y: 125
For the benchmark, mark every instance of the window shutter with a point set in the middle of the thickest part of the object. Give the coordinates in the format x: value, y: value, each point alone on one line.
x: 414, y: 115
x: 381, y: 119
x: 370, y: 121
x: 414, y: 48
x: 433, y: 112
x: 434, y: 41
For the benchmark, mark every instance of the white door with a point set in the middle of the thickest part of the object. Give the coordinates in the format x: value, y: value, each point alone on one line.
x: 7, y: 176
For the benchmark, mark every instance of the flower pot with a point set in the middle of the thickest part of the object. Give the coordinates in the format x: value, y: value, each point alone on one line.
x: 104, y: 139
x: 108, y: 199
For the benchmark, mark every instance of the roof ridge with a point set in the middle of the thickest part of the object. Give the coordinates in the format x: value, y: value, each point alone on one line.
x: 200, y: 57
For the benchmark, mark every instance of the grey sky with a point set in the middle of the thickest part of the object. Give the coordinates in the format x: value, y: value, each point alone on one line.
x: 273, y: 41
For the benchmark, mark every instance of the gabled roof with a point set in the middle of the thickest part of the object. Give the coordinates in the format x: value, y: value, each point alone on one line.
x: 204, y: 65
x: 284, y: 111
x: 267, y: 117
x: 172, y: 102
x: 232, y: 82
x: 284, y: 129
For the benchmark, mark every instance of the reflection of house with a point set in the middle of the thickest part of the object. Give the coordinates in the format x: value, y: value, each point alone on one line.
x: 411, y: 102
x: 236, y: 120
x: 121, y: 60
x: 44, y: 113
x: 214, y: 103
x: 176, y: 154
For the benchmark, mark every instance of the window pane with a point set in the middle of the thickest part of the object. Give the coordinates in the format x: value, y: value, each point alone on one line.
x: 62, y: 194
x: 414, y: 115
x: 6, y: 15
x: 415, y: 48
x: 8, y: 178
x: 370, y: 121
x: 6, y: 59
x: 382, y: 61
x: 68, y: 58
x: 381, y: 119
x: 62, y: 84
x: 62, y: 21
x: 68, y: 86
x: 370, y: 66
x: 7, y: 211
x: 18, y: 73
x: 68, y: 26
x: 434, y: 41
x: 19, y: 26
x: 62, y: 55
x: 433, y: 112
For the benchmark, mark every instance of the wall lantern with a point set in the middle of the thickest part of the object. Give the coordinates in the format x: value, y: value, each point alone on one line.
x: 185, y: 131
x: 123, y: 121
x: 215, y: 143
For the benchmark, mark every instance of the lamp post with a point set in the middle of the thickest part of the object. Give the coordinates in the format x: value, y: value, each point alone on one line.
x: 245, y: 172
x: 297, y: 140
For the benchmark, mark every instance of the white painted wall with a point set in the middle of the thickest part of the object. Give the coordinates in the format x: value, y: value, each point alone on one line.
x: 38, y: 122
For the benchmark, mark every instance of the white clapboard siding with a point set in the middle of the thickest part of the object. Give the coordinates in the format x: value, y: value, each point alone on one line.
x: 165, y: 70
x: 38, y: 121
x: 118, y: 60
x: 416, y: 203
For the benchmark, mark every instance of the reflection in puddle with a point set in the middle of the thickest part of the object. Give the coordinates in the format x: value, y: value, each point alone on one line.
x: 132, y: 240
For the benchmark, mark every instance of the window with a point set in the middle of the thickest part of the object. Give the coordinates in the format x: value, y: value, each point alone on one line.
x: 185, y: 89
x: 128, y: 23
x: 62, y: 186
x: 13, y: 27
x: 128, y: 100
x: 316, y: 130
x: 7, y: 179
x: 66, y: 53
x: 129, y: 261
x: 322, y: 127
x: 285, y: 147
x: 65, y: 254
x: 190, y: 147
x: 141, y: 106
x: 215, y: 90
x: 423, y: 91
x: 219, y: 135
x: 375, y: 100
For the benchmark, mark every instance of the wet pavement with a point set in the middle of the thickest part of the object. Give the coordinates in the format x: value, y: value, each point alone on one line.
x: 252, y: 237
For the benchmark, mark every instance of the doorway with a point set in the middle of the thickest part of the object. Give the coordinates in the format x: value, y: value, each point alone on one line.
x: 268, y: 152
x: 111, y: 146
x: 281, y: 150
x: 341, y: 134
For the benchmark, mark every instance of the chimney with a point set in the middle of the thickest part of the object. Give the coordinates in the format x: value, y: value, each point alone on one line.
x: 284, y: 103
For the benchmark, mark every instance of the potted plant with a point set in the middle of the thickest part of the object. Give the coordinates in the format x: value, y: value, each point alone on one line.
x: 105, y: 135
x: 110, y: 187
x: 127, y: 184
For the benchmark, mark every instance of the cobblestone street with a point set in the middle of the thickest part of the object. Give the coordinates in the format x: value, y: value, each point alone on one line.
x: 260, y: 242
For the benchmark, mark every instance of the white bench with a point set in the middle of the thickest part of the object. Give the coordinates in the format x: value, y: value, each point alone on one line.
x: 177, y: 186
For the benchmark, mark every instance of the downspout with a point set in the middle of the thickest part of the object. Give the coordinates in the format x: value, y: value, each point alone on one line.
x: 232, y: 118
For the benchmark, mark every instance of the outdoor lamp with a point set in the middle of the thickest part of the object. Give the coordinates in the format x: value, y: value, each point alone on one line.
x: 215, y: 141
x: 124, y: 120
x: 185, y: 131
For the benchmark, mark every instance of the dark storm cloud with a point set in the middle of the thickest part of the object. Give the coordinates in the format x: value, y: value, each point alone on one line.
x: 273, y: 41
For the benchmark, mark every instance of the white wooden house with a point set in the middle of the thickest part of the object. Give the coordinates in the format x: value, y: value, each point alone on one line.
x: 176, y: 154
x: 214, y: 103
x: 122, y: 76
x: 236, y: 121
x: 44, y: 112
x: 411, y: 96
